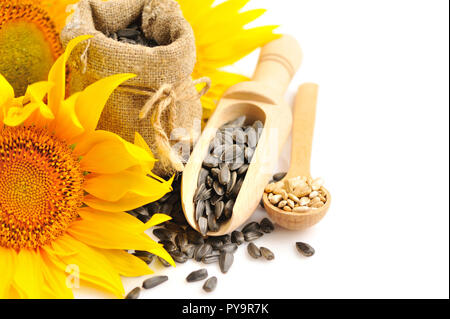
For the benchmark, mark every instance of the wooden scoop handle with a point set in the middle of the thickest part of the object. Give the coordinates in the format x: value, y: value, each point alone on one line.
x: 278, y: 62
x: 303, y: 129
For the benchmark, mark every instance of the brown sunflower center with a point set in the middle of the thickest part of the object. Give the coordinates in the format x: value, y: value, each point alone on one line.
x: 29, y: 43
x: 40, y: 187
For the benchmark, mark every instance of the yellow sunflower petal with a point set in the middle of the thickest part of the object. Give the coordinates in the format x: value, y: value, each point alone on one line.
x: 57, y: 75
x: 111, y: 231
x: 7, y: 268
x: 92, y: 100
x: 28, y: 279
x: 156, y: 220
x: 6, y: 92
x: 94, y: 268
x: 113, y: 155
x: 54, y: 278
x: 17, y: 115
x: 229, y: 51
x: 112, y: 187
x: 124, y: 263
x: 139, y: 141
x: 193, y: 12
x: 209, y: 34
x: 67, y: 126
x: 128, y: 202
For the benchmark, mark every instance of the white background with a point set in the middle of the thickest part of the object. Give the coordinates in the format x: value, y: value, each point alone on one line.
x: 381, y: 144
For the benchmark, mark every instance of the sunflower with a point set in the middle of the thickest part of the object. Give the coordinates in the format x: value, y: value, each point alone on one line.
x: 29, y: 39
x: 64, y: 190
x: 221, y: 40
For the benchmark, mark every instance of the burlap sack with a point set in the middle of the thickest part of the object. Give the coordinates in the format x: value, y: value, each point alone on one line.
x: 163, y: 96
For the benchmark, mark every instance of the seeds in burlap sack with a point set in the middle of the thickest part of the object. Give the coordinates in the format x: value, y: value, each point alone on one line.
x: 161, y: 102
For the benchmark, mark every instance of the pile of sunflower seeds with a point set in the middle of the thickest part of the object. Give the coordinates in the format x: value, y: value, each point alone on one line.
x: 299, y: 194
x: 184, y: 243
x: 132, y: 34
x: 223, y: 172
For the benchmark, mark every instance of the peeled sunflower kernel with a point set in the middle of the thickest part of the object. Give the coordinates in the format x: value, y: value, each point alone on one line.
x: 282, y: 203
x: 276, y: 199
x: 302, y: 191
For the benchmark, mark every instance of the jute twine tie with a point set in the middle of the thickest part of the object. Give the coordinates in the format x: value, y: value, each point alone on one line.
x: 166, y: 98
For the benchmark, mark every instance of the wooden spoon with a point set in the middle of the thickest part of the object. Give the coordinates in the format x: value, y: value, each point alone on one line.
x: 259, y: 99
x: 302, y: 137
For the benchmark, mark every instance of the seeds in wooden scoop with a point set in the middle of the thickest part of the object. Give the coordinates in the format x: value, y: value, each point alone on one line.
x: 299, y: 194
x: 253, y: 250
x: 223, y: 173
x: 197, y: 275
x: 210, y: 284
x: 154, y: 281
x: 305, y: 249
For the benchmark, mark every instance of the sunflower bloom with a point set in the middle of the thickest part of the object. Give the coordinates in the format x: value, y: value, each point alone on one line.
x: 221, y: 40
x: 29, y: 39
x: 64, y: 190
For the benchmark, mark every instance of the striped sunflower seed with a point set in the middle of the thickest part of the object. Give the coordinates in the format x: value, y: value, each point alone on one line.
x: 239, y: 136
x: 228, y: 210
x: 267, y: 226
x: 134, y: 294
x: 231, y: 183
x: 198, y: 191
x: 279, y: 176
x: 252, y: 235
x: 253, y: 250
x: 210, y: 284
x: 202, y: 176
x: 164, y: 262
x: 202, y: 250
x: 224, y: 176
x: 179, y: 256
x: 162, y: 234
x: 181, y: 240
x: 225, y: 261
x: 243, y: 169
x: 154, y: 281
x: 197, y: 275
x: 219, y: 189
x: 267, y: 253
x: 212, y: 223
x: 252, y: 226
x: 168, y: 245
x: 200, y: 209
x: 218, y: 209
x: 203, y: 225
x: 305, y: 249
x: 237, y: 237
x: 189, y: 250
x: 229, y: 248
x: 194, y: 237
x: 210, y: 259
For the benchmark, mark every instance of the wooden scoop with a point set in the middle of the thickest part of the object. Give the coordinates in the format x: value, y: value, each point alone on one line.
x: 260, y: 99
x: 302, y: 137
